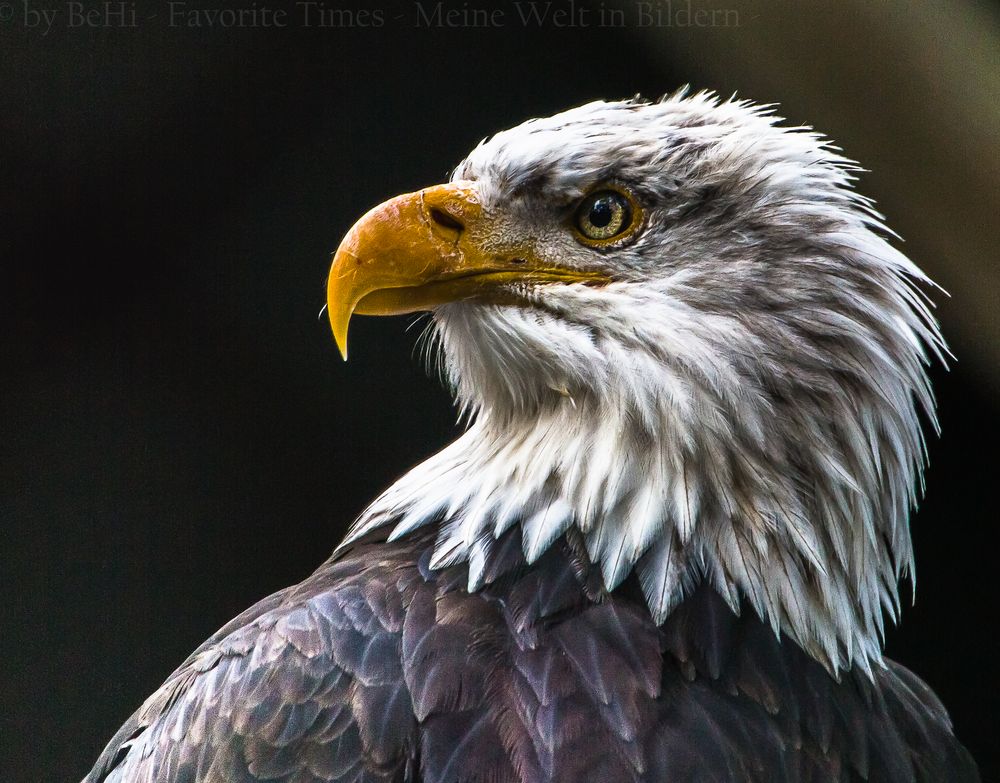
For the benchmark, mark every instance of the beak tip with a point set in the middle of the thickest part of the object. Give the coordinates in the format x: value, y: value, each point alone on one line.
x: 341, y: 340
x: 340, y: 319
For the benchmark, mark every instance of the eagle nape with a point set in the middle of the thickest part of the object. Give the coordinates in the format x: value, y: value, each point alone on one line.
x: 693, y: 370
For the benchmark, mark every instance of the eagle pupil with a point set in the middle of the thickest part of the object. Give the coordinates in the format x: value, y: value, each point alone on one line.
x: 601, y: 213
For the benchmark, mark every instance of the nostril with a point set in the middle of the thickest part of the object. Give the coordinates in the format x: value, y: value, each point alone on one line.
x: 446, y: 220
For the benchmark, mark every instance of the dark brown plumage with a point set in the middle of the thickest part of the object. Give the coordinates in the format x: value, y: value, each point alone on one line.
x: 377, y: 668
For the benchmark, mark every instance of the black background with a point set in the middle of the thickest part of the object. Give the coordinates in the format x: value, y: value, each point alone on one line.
x: 178, y: 435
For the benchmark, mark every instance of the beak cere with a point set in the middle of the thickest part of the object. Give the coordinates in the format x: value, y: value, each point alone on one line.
x: 420, y: 250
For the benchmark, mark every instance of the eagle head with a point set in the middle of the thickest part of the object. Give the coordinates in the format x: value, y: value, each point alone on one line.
x: 678, y: 333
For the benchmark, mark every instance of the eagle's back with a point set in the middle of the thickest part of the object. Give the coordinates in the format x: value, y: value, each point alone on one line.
x: 378, y: 668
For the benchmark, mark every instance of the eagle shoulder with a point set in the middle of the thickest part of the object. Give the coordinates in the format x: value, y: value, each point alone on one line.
x: 305, y: 686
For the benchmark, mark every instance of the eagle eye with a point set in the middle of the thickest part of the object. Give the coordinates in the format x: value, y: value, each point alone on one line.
x: 604, y: 215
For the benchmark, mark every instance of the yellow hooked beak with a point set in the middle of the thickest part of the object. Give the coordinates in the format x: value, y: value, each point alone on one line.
x: 420, y: 250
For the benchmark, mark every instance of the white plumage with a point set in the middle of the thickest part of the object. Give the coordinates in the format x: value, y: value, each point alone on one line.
x: 740, y: 405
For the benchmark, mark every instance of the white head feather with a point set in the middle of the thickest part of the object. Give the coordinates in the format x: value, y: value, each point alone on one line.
x: 739, y: 406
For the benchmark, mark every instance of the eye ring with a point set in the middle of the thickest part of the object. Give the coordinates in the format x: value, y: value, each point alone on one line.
x: 605, y: 216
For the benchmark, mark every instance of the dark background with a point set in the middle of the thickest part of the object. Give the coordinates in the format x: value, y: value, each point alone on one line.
x: 178, y: 436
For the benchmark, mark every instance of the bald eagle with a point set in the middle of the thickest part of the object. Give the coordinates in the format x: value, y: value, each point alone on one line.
x: 692, y: 370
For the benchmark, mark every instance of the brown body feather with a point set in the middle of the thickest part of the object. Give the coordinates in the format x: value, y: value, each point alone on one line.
x: 377, y: 668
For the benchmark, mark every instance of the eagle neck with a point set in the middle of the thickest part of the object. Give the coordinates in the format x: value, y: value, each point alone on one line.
x: 642, y: 506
